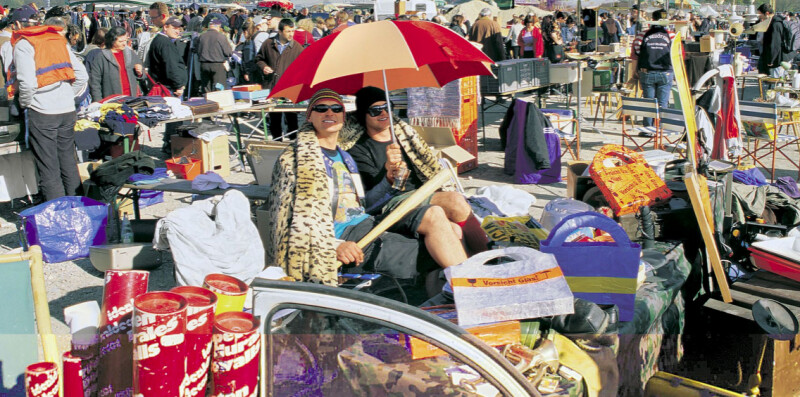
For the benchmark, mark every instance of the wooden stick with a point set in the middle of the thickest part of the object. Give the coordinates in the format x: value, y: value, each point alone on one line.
x: 700, y: 210
x: 406, y: 206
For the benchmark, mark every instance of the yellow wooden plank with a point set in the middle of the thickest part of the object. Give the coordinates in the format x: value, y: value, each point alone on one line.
x: 699, y: 206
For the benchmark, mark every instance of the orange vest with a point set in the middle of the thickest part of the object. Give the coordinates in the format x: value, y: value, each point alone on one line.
x: 50, y: 54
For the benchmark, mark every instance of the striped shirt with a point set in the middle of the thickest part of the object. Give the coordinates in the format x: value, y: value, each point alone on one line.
x: 637, y: 43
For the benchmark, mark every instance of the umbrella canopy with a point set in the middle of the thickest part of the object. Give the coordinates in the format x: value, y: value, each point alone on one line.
x: 280, y: 3
x: 410, y: 53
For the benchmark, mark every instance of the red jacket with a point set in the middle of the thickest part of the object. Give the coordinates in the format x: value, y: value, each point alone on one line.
x: 538, y: 42
x: 305, y: 38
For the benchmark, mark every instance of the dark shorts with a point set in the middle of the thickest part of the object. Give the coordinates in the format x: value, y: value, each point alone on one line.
x: 395, y: 254
x: 409, y: 225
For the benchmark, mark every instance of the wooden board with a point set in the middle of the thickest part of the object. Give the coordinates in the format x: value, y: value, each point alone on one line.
x: 685, y: 94
x: 695, y: 184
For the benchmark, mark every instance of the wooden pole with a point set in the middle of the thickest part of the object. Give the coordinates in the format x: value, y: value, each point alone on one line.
x: 406, y: 206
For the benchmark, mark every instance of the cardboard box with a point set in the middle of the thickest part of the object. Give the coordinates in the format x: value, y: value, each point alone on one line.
x: 85, y: 169
x: 262, y: 157
x: 707, y: 44
x: 577, y: 184
x: 213, y: 155
x: 494, y: 334
x: 443, y: 143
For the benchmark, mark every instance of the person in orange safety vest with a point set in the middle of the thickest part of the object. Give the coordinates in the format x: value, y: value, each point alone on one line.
x: 44, y: 79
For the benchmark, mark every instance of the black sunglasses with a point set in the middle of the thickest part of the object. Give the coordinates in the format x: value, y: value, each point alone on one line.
x: 376, y: 111
x: 325, y: 108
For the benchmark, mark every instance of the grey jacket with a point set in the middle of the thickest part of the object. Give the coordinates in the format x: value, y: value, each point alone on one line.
x: 104, y: 74
x: 56, y: 98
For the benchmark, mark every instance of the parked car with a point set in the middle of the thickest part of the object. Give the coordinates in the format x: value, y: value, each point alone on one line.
x: 330, y: 341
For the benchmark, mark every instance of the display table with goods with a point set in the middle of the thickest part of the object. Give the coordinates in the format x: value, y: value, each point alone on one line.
x: 126, y: 116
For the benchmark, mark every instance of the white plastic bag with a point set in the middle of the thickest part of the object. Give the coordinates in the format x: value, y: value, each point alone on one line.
x: 527, y: 284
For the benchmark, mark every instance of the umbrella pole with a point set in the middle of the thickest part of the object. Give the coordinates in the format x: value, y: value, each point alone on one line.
x: 389, y: 107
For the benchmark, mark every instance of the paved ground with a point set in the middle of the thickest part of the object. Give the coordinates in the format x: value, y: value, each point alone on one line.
x: 76, y: 281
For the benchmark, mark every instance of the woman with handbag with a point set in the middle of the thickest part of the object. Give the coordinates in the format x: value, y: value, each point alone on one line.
x: 117, y: 69
x: 530, y: 38
x: 553, y: 42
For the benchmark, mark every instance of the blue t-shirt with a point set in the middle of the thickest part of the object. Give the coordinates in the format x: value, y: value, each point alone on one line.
x: 346, y: 207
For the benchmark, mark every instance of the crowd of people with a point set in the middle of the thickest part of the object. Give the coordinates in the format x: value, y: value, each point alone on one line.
x: 68, y: 53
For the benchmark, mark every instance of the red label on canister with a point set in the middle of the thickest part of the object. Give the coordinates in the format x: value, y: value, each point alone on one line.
x: 80, y: 376
x: 159, y: 357
x: 199, y: 326
x: 115, y: 365
x: 41, y: 380
x: 234, y: 362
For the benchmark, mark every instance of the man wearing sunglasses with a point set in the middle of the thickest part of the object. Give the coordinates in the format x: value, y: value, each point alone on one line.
x: 316, y: 211
x: 379, y: 160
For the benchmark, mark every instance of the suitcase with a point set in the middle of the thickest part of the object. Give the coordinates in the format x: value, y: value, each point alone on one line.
x: 201, y: 106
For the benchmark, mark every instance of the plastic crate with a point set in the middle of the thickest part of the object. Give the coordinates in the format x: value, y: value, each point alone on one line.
x: 184, y: 171
x: 541, y: 72
x: 601, y: 79
x: 507, y: 79
x: 525, y: 73
x: 725, y: 59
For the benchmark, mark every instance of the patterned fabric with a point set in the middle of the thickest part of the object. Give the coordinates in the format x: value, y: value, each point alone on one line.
x: 435, y: 107
x: 652, y: 342
x: 301, y: 221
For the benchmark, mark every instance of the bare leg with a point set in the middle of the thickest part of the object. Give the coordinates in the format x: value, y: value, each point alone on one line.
x: 455, y: 206
x: 458, y: 211
x: 440, y: 240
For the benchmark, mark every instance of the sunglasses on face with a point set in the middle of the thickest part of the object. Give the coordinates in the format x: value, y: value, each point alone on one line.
x: 325, y: 108
x: 376, y: 111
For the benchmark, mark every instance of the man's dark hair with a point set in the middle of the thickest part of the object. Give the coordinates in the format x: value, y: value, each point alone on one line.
x: 284, y: 23
x: 559, y: 15
x: 765, y: 9
x: 161, y: 7
x: 659, y: 14
x: 202, y: 10
x: 603, y: 15
x: 113, y: 34
x: 57, y: 11
x: 570, y: 20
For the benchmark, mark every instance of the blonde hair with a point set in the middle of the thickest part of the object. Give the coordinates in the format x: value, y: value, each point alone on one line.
x: 330, y: 23
x: 306, y: 24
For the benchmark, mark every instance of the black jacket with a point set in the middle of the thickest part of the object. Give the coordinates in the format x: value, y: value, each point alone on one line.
x: 772, y: 53
x: 166, y: 63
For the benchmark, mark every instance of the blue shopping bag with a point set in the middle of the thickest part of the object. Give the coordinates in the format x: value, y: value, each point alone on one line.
x: 600, y: 272
x: 66, y: 227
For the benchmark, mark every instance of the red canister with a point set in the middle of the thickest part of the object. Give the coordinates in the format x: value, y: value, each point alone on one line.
x: 159, y: 357
x: 234, y: 362
x: 76, y: 379
x: 41, y: 380
x: 115, y: 365
x: 199, y: 327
